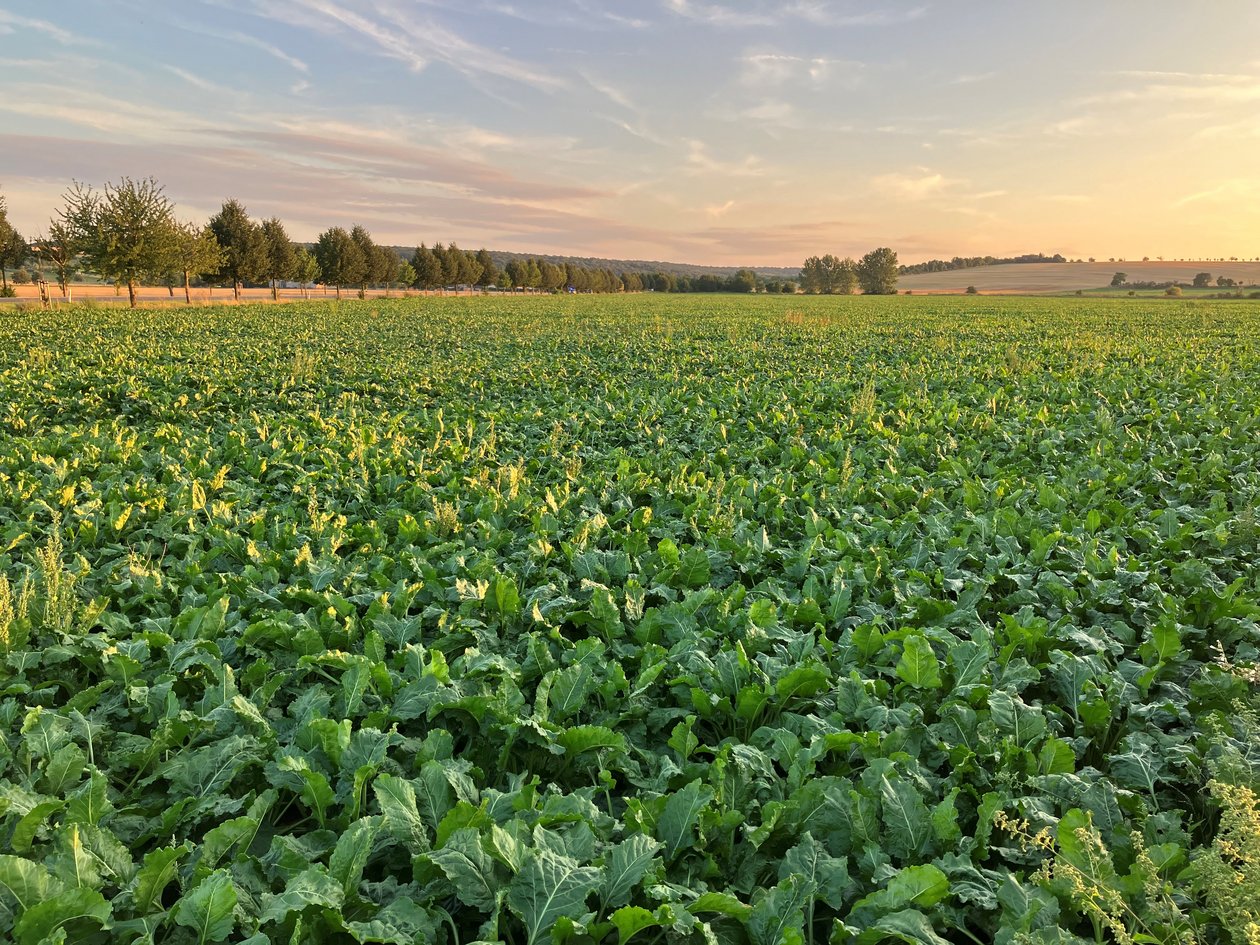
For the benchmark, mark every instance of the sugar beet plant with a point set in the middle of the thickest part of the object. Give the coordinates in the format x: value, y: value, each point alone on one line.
x: 630, y: 620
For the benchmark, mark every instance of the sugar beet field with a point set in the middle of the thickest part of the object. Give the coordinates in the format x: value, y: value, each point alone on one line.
x: 649, y: 619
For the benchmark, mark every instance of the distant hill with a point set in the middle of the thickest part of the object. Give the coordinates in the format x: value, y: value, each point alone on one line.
x: 1068, y: 277
x: 639, y: 266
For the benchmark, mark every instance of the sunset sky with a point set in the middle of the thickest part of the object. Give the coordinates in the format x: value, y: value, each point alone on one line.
x: 682, y: 130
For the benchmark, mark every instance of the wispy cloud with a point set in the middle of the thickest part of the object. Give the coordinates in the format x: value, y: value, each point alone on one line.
x: 13, y: 23
x: 396, y: 30
x: 98, y: 111
x: 763, y: 69
x: 1207, y: 88
x: 269, y: 48
x: 973, y: 78
x: 617, y: 96
x: 761, y: 13
x: 701, y: 161
x: 917, y: 186
x: 195, y: 80
x: 1230, y: 191
x: 586, y: 14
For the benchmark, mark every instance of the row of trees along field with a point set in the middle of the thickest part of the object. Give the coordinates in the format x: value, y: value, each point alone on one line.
x: 129, y: 234
x: 875, y: 273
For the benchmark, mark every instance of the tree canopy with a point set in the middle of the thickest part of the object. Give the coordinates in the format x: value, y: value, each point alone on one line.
x: 13, y: 249
x: 195, y: 253
x: 127, y: 232
x: 340, y: 258
x: 244, y: 248
x: 877, y: 272
x: 828, y: 275
x: 279, y: 261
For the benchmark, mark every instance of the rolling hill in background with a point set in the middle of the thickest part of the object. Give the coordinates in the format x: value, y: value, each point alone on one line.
x: 1068, y: 277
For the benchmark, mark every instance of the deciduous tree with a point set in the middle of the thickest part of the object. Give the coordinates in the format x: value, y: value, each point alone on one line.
x: 127, y: 232
x: 877, y: 272
x: 279, y: 259
x: 428, y: 268
x: 58, y: 249
x: 244, y: 251
x: 489, y: 272
x: 13, y: 249
x: 372, y: 268
x: 306, y: 269
x: 387, y: 266
x: 406, y: 275
x: 195, y: 253
x: 340, y: 258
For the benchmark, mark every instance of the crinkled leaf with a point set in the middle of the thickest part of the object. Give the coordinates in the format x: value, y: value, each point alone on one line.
x: 676, y: 828
x: 25, y: 882
x: 548, y: 887
x: 469, y: 868
x: 779, y: 917
x: 73, y: 907
x: 350, y: 856
x: 918, y: 665
x: 631, y: 920
x: 397, y: 798
x: 312, y: 887
x: 208, y: 909
x: 401, y: 922
x: 625, y: 865
x: 824, y: 876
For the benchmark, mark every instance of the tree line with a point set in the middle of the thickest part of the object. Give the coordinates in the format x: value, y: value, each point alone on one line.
x: 128, y: 234
x: 976, y: 262
x: 875, y: 274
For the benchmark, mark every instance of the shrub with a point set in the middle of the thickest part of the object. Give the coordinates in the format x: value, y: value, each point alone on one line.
x: 8, y: 292
x: 1173, y: 290
x: 972, y: 290
x: 22, y: 276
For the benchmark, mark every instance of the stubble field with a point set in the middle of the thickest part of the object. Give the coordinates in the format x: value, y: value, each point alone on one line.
x: 640, y: 619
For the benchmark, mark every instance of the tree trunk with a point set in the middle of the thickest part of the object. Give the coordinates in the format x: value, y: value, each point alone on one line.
x: 236, y: 290
x: 131, y: 292
x: 275, y: 290
x: 187, y: 287
x: 171, y: 289
x: 4, y: 275
x: 338, y: 292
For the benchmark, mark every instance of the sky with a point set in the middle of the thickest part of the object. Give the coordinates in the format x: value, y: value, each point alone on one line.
x: 703, y: 131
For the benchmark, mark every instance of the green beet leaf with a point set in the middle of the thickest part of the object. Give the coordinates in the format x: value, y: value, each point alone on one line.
x: 918, y: 665
x: 548, y: 887
x: 74, y: 908
x: 209, y: 908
